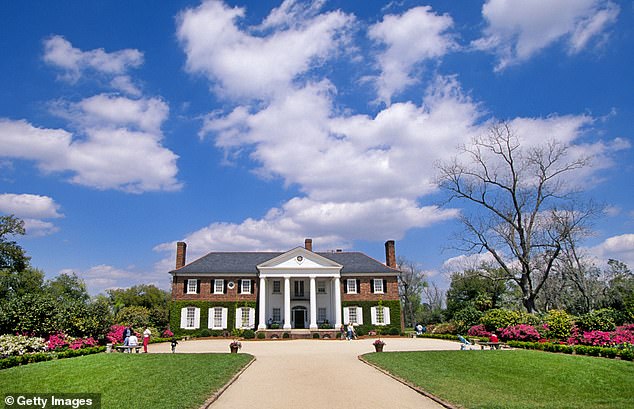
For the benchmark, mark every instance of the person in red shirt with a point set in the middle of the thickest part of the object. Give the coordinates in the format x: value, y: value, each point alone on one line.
x: 493, y: 338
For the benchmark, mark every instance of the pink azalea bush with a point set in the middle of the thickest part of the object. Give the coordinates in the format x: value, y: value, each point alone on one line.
x: 521, y: 332
x: 478, y: 331
x: 622, y: 335
x: 61, y: 341
x: 57, y: 341
x: 115, y: 336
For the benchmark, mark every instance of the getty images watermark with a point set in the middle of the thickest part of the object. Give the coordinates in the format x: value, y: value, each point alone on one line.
x: 53, y: 400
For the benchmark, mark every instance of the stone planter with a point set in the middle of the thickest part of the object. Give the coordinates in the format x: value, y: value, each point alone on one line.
x: 378, y: 348
x: 234, y: 350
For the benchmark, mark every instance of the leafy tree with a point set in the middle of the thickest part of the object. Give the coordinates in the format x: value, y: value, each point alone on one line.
x: 133, y: 316
x: 482, y: 289
x: 619, y: 292
x: 520, y: 208
x: 13, y: 259
x: 68, y: 287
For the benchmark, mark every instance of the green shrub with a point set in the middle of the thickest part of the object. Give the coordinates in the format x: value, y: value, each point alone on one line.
x: 248, y: 334
x: 286, y: 335
x: 466, y: 318
x: 445, y: 328
x: 205, y: 333
x: 361, y: 330
x: 261, y: 335
x: 626, y: 354
x: 133, y: 316
x: 499, y: 318
x: 315, y: 335
x: 600, y: 320
x: 394, y: 331
x: 559, y: 324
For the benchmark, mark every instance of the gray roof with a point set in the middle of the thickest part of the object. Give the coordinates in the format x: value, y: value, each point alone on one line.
x: 247, y: 262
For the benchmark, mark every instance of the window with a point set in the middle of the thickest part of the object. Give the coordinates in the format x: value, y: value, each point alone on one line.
x: 299, y: 288
x: 321, y: 287
x: 277, y: 317
x: 192, y: 286
x: 380, y: 315
x: 218, y: 317
x: 190, y: 318
x: 245, y: 317
x: 245, y: 286
x: 352, y: 286
x: 378, y: 286
x: 352, y: 315
x: 321, y: 314
x: 219, y: 286
x: 276, y: 287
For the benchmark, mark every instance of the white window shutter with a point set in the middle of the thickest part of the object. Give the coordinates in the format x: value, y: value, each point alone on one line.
x: 386, y: 315
x: 197, y: 318
x: 373, y: 315
x: 210, y: 318
x: 184, y: 317
x: 238, y: 317
x: 360, y: 315
x: 346, y: 316
x: 224, y: 318
x: 251, y: 317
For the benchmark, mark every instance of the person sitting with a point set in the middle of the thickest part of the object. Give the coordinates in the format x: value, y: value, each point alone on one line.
x: 133, y: 341
x: 493, y: 338
x: 419, y: 329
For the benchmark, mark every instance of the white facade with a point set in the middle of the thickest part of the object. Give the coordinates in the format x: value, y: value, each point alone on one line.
x: 299, y: 289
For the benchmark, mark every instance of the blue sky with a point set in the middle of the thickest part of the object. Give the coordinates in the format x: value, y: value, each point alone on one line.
x: 253, y: 125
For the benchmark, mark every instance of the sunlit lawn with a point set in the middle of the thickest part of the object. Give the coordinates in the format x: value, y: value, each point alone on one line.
x: 129, y: 380
x: 515, y: 379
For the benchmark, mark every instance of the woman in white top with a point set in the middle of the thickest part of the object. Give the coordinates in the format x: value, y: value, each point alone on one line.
x: 146, y: 339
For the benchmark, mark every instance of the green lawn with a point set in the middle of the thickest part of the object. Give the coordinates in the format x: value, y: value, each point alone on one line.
x: 129, y: 380
x: 515, y: 379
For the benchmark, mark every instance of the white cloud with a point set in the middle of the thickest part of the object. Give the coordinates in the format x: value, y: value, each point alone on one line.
x: 417, y: 35
x: 516, y: 30
x: 243, y: 65
x: 74, y: 62
x: 617, y: 247
x: 103, y: 277
x: 32, y: 209
x: 118, y: 146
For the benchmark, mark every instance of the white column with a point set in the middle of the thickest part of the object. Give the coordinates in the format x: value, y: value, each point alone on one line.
x: 337, y: 303
x: 262, y: 323
x: 287, y: 302
x: 313, y: 304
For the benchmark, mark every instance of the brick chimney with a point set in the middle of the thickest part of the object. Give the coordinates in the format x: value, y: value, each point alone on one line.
x: 181, y: 252
x: 390, y: 254
x: 308, y: 244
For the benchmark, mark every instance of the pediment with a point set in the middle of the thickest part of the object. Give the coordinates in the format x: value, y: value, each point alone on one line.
x: 299, y: 259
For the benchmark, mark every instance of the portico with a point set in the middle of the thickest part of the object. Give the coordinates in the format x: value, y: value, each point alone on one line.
x: 299, y: 289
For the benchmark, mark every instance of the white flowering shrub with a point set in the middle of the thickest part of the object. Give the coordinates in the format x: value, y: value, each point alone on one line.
x: 11, y: 345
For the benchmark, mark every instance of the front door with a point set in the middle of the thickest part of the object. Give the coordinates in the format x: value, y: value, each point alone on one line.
x: 299, y: 318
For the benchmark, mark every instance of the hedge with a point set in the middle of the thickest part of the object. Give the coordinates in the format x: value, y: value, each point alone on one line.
x: 623, y: 353
x: 44, y: 356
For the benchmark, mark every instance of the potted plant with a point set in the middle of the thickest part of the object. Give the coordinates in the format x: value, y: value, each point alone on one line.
x: 378, y: 345
x: 234, y: 346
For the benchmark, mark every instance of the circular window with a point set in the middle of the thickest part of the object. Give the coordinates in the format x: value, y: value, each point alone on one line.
x: 300, y: 258
x: 231, y: 285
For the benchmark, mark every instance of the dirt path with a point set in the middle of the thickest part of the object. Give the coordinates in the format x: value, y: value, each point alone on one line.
x: 315, y: 374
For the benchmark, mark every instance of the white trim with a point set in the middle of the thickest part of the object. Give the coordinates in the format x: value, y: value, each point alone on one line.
x: 222, y: 286
x: 189, y: 281
x: 185, y: 319
x: 348, y: 290
x: 242, y: 282
x: 211, y: 320
x: 374, y: 286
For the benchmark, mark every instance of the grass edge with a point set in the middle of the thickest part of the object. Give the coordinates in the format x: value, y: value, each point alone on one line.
x: 207, y: 403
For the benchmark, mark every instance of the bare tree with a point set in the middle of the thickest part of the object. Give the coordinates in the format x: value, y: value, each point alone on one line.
x: 520, y: 208
x: 411, y: 282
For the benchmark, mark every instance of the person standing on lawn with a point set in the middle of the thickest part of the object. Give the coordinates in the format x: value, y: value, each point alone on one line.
x: 146, y: 339
x: 126, y: 336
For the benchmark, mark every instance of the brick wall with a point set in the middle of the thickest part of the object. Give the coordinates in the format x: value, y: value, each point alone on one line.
x: 364, y: 293
x: 206, y: 290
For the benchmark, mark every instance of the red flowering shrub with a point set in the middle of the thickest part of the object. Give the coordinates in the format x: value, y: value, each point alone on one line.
x: 167, y: 334
x: 521, y: 332
x: 622, y: 335
x: 57, y: 341
x: 115, y: 335
x: 478, y: 331
x: 80, y: 343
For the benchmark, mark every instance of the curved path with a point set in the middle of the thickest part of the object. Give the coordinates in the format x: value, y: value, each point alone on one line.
x: 316, y: 374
